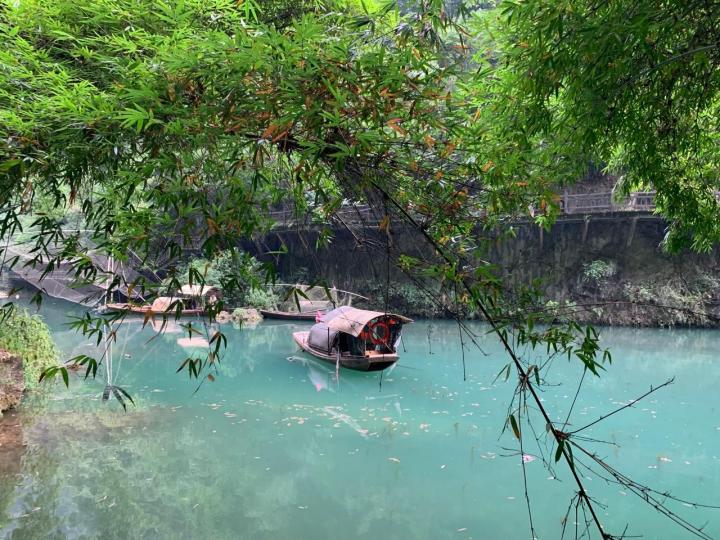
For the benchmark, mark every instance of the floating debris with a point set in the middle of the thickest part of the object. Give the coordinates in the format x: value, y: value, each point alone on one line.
x: 193, y: 342
x: 345, y: 419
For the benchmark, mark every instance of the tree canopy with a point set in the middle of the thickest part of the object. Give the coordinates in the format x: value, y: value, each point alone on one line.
x: 632, y: 86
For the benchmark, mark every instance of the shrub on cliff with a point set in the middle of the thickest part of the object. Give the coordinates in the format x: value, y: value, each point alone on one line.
x: 240, y: 276
x: 261, y: 299
x: 29, y: 337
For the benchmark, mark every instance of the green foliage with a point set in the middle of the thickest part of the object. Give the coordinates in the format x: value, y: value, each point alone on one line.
x: 598, y: 271
x: 640, y: 293
x: 241, y: 277
x: 29, y: 337
x: 133, y: 113
x: 633, y: 85
x: 680, y: 301
x: 261, y: 298
x: 236, y: 272
x: 562, y: 311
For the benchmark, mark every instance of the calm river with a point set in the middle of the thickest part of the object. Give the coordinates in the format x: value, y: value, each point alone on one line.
x: 277, y: 448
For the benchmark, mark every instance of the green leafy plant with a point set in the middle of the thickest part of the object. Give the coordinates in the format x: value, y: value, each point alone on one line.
x: 260, y: 298
x: 596, y: 272
x: 29, y: 337
x: 236, y: 272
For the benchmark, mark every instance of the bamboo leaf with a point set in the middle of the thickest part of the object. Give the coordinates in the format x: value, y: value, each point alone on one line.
x: 124, y: 393
x: 515, y: 427
x: 119, y: 397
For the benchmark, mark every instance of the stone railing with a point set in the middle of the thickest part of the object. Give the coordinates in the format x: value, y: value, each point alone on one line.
x: 599, y: 203
x: 575, y: 203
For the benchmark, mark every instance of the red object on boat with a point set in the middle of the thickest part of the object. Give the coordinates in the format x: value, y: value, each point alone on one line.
x: 380, y: 339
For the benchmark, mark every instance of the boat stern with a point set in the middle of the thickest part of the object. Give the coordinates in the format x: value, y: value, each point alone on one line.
x: 301, y: 339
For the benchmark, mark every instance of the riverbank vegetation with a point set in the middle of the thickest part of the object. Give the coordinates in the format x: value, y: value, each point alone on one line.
x: 28, y: 337
x: 245, y: 281
x: 177, y: 127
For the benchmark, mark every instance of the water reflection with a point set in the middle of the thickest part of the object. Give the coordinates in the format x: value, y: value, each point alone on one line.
x: 320, y: 376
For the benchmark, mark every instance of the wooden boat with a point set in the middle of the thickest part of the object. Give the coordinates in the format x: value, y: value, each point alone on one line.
x: 192, y: 299
x: 304, y: 302
x: 143, y: 309
x: 354, y: 338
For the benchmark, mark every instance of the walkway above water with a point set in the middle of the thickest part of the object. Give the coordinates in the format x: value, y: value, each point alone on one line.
x: 571, y: 204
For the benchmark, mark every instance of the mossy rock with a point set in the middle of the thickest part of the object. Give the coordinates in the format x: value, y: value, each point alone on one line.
x: 223, y: 317
x: 246, y: 316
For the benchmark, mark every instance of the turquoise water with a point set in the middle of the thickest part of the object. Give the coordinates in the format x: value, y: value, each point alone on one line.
x: 277, y: 448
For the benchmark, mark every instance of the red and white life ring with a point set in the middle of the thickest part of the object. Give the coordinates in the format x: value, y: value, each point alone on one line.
x: 380, y: 338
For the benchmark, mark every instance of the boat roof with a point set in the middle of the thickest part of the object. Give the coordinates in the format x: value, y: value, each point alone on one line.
x: 198, y: 290
x: 352, y: 320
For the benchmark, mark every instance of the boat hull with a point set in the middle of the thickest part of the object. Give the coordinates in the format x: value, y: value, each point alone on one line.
x: 145, y: 309
x: 376, y: 362
x: 289, y: 315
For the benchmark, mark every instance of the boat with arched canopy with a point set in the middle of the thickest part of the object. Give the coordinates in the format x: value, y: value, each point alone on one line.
x: 355, y: 338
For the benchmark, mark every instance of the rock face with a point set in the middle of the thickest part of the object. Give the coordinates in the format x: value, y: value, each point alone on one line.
x: 601, y: 268
x: 12, y: 383
x: 223, y: 317
x: 246, y: 316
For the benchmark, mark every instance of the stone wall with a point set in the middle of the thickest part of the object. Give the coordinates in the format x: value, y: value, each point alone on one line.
x: 610, y: 268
